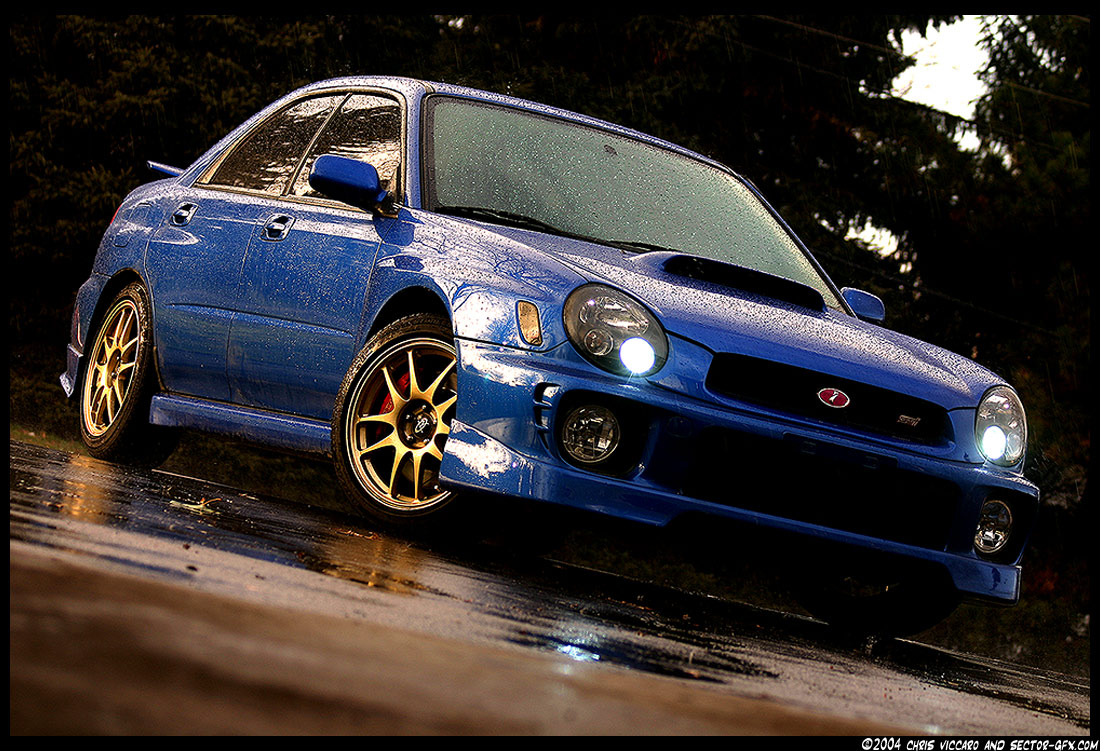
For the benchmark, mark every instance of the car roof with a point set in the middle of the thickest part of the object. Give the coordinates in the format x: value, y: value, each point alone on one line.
x: 415, y: 90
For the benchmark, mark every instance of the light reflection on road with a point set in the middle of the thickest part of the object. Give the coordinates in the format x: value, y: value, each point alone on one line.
x: 212, y: 537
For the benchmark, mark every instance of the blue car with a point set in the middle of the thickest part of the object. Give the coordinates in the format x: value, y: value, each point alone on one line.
x: 448, y: 290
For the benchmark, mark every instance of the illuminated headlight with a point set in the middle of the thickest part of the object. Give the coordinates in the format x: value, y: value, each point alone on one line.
x: 1000, y: 427
x: 614, y: 331
x: 994, y: 527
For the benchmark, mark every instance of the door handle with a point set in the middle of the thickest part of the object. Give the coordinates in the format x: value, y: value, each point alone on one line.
x: 183, y: 214
x: 277, y: 227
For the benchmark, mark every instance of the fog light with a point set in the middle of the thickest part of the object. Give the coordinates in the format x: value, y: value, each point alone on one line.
x: 994, y: 527
x: 590, y: 434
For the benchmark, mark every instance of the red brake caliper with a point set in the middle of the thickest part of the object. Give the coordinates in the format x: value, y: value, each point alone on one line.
x: 387, y: 403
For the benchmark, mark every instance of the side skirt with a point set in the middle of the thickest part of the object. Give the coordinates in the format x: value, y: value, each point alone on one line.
x: 259, y: 426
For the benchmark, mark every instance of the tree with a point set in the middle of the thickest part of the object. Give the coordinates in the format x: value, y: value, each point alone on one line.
x: 1036, y: 129
x: 799, y: 104
x: 92, y: 98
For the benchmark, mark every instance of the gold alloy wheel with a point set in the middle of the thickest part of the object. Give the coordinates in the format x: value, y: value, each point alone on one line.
x: 400, y: 419
x: 113, y: 364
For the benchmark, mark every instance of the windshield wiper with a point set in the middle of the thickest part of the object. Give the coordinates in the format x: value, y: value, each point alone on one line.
x: 501, y: 217
x: 522, y: 221
x: 639, y: 247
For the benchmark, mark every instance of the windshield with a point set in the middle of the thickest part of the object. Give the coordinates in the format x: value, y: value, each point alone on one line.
x: 501, y: 163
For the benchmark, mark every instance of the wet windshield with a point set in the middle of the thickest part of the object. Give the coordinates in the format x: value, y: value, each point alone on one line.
x: 514, y: 167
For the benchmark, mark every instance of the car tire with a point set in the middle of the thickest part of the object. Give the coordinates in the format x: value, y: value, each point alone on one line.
x: 392, y: 418
x: 864, y: 605
x: 118, y: 384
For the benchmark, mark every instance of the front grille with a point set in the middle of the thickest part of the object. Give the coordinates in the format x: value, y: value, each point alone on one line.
x: 795, y: 390
x: 821, y: 484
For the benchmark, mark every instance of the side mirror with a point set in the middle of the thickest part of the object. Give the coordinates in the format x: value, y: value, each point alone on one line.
x: 348, y: 180
x: 865, y: 305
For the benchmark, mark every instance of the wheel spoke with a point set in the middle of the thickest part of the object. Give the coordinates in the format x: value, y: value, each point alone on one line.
x: 417, y: 457
x: 126, y: 346
x: 444, y: 430
x: 441, y: 409
x: 414, y: 386
x: 390, y: 441
x: 386, y: 418
x: 395, y: 470
x: 398, y: 400
x: 95, y: 405
x: 122, y: 324
x: 118, y: 392
x: 110, y: 405
x: 432, y: 448
x: 430, y: 394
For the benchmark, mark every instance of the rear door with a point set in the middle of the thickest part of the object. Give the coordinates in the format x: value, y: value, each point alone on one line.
x: 195, y: 259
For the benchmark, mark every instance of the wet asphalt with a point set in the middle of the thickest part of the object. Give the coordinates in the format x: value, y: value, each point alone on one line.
x: 146, y: 528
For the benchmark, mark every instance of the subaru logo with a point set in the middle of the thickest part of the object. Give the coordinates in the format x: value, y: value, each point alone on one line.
x: 834, y: 398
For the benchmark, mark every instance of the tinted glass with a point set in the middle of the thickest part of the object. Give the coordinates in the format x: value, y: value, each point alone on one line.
x: 597, y: 184
x: 368, y: 128
x: 266, y: 160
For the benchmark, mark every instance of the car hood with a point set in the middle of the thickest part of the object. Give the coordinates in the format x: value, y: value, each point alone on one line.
x: 750, y: 319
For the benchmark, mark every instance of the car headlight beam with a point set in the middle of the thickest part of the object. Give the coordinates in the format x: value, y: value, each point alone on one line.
x: 1001, y: 427
x: 614, y: 331
x: 637, y: 355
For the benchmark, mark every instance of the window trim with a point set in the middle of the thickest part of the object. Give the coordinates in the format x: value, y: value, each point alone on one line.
x: 203, y: 180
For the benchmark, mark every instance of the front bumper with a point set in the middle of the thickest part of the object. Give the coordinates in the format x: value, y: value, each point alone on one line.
x: 760, y: 469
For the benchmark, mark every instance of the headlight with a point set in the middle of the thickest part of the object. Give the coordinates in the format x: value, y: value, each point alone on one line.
x: 1000, y: 427
x: 614, y: 331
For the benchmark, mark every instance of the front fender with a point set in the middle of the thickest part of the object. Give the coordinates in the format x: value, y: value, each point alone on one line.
x: 479, y: 276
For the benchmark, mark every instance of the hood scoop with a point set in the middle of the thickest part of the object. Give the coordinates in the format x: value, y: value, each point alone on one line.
x: 736, y: 277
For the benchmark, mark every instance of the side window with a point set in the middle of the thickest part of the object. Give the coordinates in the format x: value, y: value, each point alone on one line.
x: 367, y: 128
x: 267, y: 158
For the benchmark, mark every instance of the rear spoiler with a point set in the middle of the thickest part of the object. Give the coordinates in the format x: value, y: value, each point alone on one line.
x: 165, y: 168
